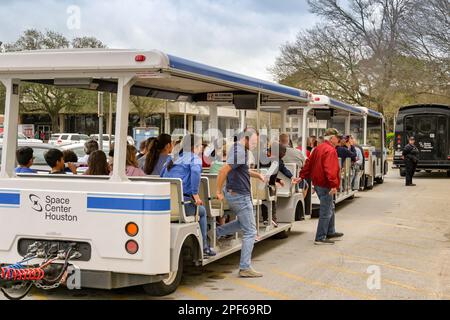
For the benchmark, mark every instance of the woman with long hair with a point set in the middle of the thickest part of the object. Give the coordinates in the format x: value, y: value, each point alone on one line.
x: 187, y: 166
x: 97, y: 164
x: 158, y: 154
x: 132, y: 166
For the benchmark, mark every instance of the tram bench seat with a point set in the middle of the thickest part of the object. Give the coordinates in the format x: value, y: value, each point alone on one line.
x: 215, y: 204
x: 260, y: 192
x: 289, y: 187
x: 206, y: 196
x: 177, y: 210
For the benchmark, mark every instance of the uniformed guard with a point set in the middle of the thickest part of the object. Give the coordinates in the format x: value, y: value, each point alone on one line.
x: 411, y: 158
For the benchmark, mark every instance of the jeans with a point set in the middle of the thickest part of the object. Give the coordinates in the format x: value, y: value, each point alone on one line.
x: 242, y: 206
x: 191, y: 209
x: 356, y: 177
x: 326, y: 225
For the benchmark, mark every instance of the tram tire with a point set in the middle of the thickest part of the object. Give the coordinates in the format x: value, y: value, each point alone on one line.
x: 380, y: 180
x: 161, y: 288
x: 402, y: 173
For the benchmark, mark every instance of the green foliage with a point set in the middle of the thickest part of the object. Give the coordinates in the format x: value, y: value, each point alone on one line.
x: 379, y: 54
x: 49, y: 99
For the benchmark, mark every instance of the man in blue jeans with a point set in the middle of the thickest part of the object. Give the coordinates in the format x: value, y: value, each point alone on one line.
x: 323, y: 169
x: 237, y: 175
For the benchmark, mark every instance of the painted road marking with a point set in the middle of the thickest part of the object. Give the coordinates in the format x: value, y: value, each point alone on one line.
x: 192, y: 293
x: 320, y: 284
x: 257, y: 288
x: 383, y: 280
x: 384, y: 264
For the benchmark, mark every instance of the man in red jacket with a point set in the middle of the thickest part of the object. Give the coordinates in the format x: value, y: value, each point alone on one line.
x: 323, y: 169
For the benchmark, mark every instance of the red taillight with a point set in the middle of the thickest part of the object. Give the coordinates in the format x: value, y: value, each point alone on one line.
x: 366, y: 154
x: 132, y: 247
x: 140, y: 58
x: 317, y: 99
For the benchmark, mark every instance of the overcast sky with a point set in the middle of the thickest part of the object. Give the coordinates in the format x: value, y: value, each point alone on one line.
x: 238, y: 35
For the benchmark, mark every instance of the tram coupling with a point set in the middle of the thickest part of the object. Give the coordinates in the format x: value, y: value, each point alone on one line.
x: 45, y: 265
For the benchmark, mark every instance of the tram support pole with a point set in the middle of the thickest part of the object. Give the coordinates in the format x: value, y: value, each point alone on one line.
x: 10, y: 128
x: 122, y: 113
x: 305, y: 129
x: 365, y: 130
x: 258, y: 156
x: 348, y: 121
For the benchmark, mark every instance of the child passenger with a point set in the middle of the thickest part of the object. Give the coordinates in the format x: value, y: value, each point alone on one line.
x: 25, y: 160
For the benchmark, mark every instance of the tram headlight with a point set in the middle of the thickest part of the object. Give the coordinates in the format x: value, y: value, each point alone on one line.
x: 132, y: 229
x: 132, y: 247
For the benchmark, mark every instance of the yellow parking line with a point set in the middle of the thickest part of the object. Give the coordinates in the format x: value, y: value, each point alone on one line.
x: 395, y: 254
x: 375, y: 262
x: 399, y: 243
x: 257, y: 288
x: 383, y: 280
x: 192, y: 293
x: 316, y: 283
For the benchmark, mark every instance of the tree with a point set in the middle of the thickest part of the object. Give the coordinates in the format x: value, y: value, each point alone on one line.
x: 51, y: 99
x: 145, y: 107
x: 372, y: 53
x: 87, y: 42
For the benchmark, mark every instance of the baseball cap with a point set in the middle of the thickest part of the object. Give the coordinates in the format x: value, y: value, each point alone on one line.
x: 333, y: 132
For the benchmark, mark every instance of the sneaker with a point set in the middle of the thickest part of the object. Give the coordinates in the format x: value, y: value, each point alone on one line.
x: 208, y: 252
x: 265, y: 223
x: 324, y: 242
x: 411, y: 185
x: 275, y: 224
x: 249, y: 273
x: 336, y: 236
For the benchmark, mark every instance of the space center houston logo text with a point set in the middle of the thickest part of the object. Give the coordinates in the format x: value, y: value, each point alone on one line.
x: 53, y: 208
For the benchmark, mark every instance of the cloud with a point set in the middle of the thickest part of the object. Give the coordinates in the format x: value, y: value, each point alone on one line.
x: 238, y: 35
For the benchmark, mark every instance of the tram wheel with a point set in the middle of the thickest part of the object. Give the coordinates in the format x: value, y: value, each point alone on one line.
x: 169, y: 285
x: 380, y: 180
x: 402, y: 173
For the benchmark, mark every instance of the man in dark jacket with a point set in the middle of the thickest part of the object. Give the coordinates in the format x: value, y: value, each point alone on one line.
x: 411, y: 158
x: 346, y: 150
x: 323, y: 168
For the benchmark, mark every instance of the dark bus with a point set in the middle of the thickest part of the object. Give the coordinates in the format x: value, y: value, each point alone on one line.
x: 430, y: 125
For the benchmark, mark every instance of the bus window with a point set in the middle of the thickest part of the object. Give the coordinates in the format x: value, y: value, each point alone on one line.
x: 427, y: 125
x: 409, y: 125
x: 375, y: 133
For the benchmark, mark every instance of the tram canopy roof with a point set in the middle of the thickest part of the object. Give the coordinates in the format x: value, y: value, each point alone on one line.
x: 158, y: 75
x: 320, y: 101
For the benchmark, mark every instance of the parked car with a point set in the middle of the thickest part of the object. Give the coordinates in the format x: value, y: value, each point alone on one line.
x: 106, y: 138
x: 78, y: 148
x: 60, y: 139
x: 22, y: 138
x: 39, y: 149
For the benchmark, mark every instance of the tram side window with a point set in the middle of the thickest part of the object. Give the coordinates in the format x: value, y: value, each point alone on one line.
x: 375, y: 133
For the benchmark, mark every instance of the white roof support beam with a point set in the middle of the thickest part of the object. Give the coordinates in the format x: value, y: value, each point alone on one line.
x: 10, y: 127
x: 122, y: 113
